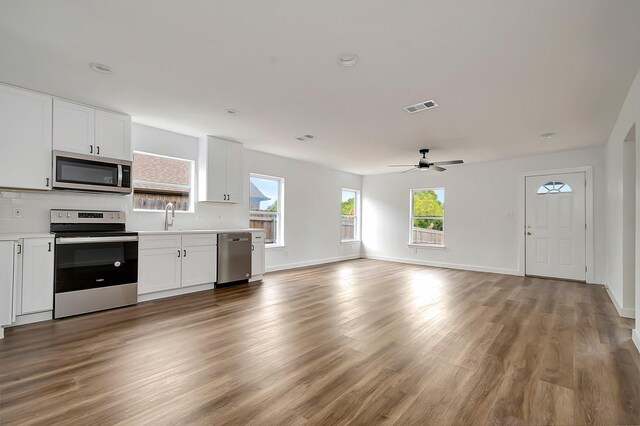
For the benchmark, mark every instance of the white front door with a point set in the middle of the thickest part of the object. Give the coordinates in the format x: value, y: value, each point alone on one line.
x: 555, y: 226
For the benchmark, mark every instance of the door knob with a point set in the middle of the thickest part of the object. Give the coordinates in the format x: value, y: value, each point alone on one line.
x: 528, y: 233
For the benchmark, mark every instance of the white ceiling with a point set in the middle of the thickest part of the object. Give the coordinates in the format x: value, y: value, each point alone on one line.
x: 503, y: 71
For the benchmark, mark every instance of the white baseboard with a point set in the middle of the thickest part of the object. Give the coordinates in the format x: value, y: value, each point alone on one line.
x: 174, y: 292
x: 31, y: 318
x: 445, y: 265
x: 623, y: 312
x: 311, y: 263
x: 635, y: 336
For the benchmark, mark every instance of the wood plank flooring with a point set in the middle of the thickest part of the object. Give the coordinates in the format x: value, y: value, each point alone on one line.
x: 361, y: 342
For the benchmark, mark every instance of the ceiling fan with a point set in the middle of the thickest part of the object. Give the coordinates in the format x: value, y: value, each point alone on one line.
x: 424, y: 163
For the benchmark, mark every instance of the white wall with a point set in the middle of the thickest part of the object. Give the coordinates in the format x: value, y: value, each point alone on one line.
x: 625, y: 293
x: 312, y: 203
x: 312, y: 212
x: 484, y: 207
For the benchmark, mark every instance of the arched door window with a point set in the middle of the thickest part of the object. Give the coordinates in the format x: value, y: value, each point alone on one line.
x: 554, y: 188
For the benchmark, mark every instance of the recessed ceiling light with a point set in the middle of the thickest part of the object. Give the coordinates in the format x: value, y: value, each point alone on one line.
x: 232, y: 111
x: 347, y: 59
x: 547, y: 135
x: 304, y: 137
x: 101, y: 68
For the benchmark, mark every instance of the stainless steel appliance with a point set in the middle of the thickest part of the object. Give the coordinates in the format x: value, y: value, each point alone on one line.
x: 96, y: 261
x: 91, y: 173
x: 234, y: 257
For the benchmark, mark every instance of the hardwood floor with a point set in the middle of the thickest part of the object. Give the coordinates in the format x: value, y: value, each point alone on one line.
x: 362, y: 342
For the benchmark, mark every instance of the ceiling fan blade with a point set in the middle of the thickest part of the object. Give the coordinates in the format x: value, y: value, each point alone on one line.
x: 401, y: 165
x: 437, y: 168
x: 445, y: 163
x: 413, y: 168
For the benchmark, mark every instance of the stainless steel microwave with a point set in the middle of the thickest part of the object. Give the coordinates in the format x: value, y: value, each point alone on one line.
x: 83, y: 172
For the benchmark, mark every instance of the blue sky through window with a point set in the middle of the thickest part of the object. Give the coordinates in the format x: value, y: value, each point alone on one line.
x: 269, y: 187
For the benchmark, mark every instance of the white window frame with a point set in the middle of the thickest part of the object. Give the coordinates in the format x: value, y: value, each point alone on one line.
x: 280, y: 213
x: 411, y: 218
x: 192, y: 186
x: 358, y: 215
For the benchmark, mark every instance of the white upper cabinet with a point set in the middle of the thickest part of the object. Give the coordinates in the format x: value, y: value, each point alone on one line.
x: 25, y: 139
x: 86, y: 130
x: 235, y: 171
x: 73, y: 127
x: 221, y: 170
x: 113, y: 135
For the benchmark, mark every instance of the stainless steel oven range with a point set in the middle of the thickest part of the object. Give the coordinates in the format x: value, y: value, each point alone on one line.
x: 96, y: 261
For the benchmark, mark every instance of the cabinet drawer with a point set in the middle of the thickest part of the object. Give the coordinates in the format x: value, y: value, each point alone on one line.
x: 158, y: 241
x: 257, y: 237
x: 193, y: 240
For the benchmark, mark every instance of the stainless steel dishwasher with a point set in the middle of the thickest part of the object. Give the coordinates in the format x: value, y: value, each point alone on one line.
x: 234, y: 257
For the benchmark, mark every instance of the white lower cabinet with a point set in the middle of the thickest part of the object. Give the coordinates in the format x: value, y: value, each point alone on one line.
x: 26, y: 279
x: 159, y: 269
x: 37, y: 275
x: 169, y: 262
x: 257, y: 255
x: 198, y: 265
x: 6, y: 282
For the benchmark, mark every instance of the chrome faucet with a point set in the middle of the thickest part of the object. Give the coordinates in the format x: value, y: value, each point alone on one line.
x: 166, y: 216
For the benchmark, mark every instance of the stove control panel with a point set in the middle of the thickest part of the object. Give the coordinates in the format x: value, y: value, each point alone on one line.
x: 87, y: 216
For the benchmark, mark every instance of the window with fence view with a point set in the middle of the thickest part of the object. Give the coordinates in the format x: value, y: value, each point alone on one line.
x: 349, y: 226
x: 265, y: 197
x: 159, y: 180
x: 427, y: 216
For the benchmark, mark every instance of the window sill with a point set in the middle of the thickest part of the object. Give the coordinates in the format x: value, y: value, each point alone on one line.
x: 274, y: 247
x: 349, y: 241
x: 436, y: 246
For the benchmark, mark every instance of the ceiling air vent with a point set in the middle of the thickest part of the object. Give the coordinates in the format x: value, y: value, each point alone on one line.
x: 422, y: 106
x: 304, y: 137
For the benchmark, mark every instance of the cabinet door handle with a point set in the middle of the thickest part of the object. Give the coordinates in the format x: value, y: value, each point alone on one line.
x: 252, y: 247
x: 49, y: 247
x: 19, y: 248
x: 90, y: 149
x: 184, y: 253
x: 47, y: 184
x: 97, y: 150
x: 179, y: 253
x: 228, y: 197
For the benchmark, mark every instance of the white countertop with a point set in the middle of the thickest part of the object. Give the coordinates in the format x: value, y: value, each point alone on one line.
x: 198, y: 231
x: 17, y: 235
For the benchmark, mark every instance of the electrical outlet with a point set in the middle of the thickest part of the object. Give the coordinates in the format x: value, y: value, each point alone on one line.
x: 17, y: 212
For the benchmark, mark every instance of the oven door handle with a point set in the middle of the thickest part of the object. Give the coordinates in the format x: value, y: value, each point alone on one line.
x: 90, y: 240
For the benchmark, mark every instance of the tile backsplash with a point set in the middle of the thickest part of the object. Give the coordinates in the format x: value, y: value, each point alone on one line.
x: 35, y: 208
